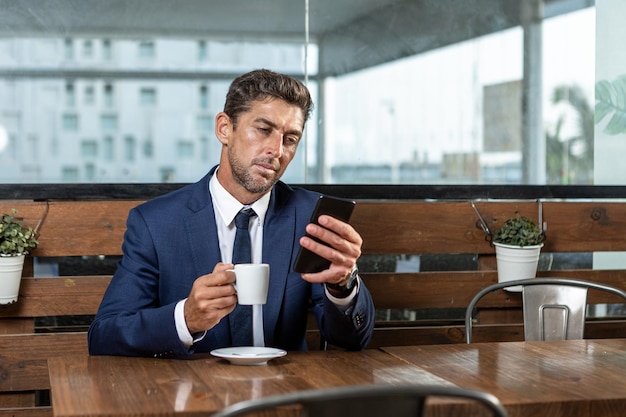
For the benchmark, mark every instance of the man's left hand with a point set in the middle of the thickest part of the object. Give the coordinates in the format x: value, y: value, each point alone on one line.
x: 343, y: 251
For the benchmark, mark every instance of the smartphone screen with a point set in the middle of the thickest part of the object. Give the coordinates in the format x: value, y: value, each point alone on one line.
x: 339, y: 208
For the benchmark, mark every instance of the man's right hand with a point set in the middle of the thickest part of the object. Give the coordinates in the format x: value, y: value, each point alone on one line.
x: 212, y: 297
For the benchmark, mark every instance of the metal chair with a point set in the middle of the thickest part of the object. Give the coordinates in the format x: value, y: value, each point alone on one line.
x: 370, y: 401
x: 554, y: 308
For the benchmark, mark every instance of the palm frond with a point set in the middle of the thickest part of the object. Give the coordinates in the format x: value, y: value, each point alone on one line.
x: 611, y: 102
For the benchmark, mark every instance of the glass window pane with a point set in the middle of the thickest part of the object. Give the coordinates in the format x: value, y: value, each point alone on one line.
x: 146, y: 50
x: 70, y: 95
x: 108, y: 148
x: 69, y: 174
x: 90, y: 95
x: 70, y: 122
x: 89, y: 149
x: 203, y: 51
x: 107, y: 51
x: 147, y: 96
x: 129, y: 148
x: 185, y: 149
x: 569, y: 69
x: 148, y: 149
x: 205, y: 123
x: 90, y: 172
x: 69, y: 49
x: 403, y: 101
x: 167, y: 174
x: 204, y: 97
x: 108, y: 95
x: 108, y: 122
x: 87, y: 48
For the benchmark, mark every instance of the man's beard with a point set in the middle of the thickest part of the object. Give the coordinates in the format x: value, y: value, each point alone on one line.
x: 243, y: 176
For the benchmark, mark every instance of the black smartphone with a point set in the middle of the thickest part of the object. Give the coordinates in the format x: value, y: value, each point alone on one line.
x: 339, y: 208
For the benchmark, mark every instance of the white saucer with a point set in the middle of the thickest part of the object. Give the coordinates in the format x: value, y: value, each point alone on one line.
x: 248, y: 355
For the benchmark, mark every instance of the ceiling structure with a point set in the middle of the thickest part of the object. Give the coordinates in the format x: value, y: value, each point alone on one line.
x: 351, y: 35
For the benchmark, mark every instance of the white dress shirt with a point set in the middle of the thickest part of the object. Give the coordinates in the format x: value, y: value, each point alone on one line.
x: 226, y: 208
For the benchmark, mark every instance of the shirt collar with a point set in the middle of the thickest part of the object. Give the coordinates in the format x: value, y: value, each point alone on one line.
x: 227, y: 206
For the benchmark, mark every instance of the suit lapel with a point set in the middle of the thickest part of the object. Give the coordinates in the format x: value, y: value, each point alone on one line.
x: 203, y: 240
x: 204, y: 247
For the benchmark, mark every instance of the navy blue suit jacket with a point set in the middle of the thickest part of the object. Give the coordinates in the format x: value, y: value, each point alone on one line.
x: 172, y: 240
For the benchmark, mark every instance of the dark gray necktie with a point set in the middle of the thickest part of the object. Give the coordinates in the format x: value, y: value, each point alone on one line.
x: 241, y: 318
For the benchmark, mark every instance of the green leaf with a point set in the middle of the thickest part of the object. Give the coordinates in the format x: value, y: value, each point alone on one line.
x: 617, y: 124
x: 611, y: 101
x: 602, y: 109
x: 620, y: 92
x: 603, y: 91
x: 14, y: 237
x: 520, y: 231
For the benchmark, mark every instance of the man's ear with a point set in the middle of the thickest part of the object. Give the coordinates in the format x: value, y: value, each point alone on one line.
x: 223, y: 127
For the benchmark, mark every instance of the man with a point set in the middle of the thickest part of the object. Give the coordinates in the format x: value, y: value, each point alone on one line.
x: 172, y: 294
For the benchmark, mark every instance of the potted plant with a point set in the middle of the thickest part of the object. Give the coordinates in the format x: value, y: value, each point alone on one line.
x: 16, y: 241
x: 518, y: 244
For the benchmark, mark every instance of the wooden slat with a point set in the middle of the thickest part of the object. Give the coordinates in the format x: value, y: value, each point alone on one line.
x: 12, y: 401
x: 389, y: 227
x: 426, y: 289
x: 432, y: 335
x: 17, y: 325
x: 27, y: 412
x: 41, y: 297
x: 417, y: 227
x: 82, y: 295
x: 23, y: 357
x: 452, y: 227
x: 515, y: 332
x: 456, y: 289
x: 75, y: 228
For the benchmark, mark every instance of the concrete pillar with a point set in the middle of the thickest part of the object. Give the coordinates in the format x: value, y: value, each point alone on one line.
x: 533, y: 136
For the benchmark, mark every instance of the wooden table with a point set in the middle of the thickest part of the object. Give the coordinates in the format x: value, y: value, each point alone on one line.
x: 565, y: 378
x: 122, y: 386
x: 572, y: 378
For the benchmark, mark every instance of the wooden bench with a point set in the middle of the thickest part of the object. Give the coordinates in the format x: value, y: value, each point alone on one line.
x: 392, y: 229
x: 69, y: 228
x: 448, y: 227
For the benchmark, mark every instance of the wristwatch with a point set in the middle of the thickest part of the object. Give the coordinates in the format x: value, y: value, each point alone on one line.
x: 346, y: 284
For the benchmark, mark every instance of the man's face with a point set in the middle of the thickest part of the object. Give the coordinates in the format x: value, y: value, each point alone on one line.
x: 261, y: 146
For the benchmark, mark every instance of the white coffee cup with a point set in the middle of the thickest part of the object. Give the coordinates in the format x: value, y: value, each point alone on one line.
x: 252, y: 282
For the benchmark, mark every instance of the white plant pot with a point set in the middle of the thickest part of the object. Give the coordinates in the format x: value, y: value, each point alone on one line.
x: 516, y: 262
x: 10, y: 278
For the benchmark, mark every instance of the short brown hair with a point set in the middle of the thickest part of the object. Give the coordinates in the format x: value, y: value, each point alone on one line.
x: 260, y: 84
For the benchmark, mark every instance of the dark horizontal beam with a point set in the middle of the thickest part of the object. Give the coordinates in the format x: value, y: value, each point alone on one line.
x: 472, y: 192
x: 364, y: 192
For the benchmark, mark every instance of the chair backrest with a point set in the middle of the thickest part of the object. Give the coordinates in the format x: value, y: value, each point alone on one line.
x: 371, y: 401
x: 554, y: 308
x: 554, y: 312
